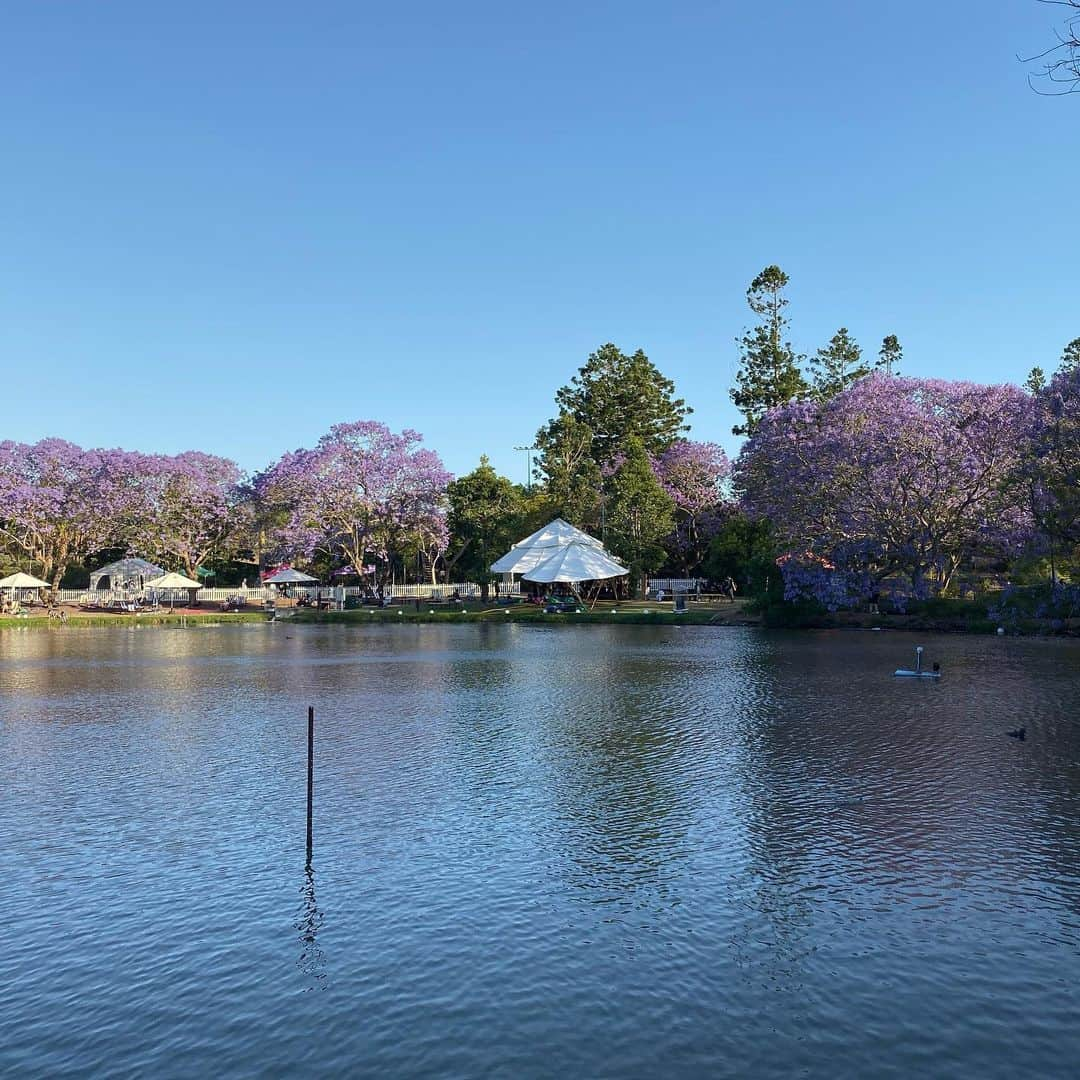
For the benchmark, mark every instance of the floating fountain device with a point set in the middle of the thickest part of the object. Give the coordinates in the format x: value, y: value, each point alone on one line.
x: 917, y: 672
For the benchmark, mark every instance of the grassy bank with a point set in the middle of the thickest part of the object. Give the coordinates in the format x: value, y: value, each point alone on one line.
x: 634, y: 612
x: 19, y: 622
x: 940, y: 616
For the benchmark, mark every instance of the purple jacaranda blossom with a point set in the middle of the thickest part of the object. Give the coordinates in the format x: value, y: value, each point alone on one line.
x: 893, y: 477
x: 1052, y: 469
x: 60, y: 503
x: 362, y: 494
x: 697, y: 477
x: 197, y: 510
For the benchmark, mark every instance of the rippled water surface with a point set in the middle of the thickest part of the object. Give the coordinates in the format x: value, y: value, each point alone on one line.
x: 538, y: 852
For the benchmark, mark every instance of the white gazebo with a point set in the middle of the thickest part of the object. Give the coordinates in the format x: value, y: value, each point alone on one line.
x: 124, y: 575
x: 529, y: 553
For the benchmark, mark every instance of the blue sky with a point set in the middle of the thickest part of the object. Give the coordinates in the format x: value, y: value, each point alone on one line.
x: 228, y: 226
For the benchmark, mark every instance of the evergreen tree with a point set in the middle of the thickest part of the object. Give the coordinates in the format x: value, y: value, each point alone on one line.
x: 769, y: 372
x: 1070, y: 358
x: 837, y: 366
x: 573, y: 481
x: 617, y: 396
x: 890, y: 354
x: 639, y: 514
x: 485, y: 518
x: 1035, y: 381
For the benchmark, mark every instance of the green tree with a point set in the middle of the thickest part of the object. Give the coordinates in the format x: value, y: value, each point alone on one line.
x: 618, y: 397
x: 769, y: 373
x: 890, y: 355
x: 639, y: 514
x: 744, y: 550
x: 1035, y: 381
x: 573, y: 482
x: 1070, y: 357
x: 486, y: 513
x: 838, y: 365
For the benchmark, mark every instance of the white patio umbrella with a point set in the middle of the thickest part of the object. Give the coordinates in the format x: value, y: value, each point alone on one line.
x: 576, y: 562
x: 173, y: 581
x: 534, y: 549
x: 23, y: 581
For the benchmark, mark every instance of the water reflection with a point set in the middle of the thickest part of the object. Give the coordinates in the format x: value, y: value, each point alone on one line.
x: 312, y: 961
x: 638, y: 851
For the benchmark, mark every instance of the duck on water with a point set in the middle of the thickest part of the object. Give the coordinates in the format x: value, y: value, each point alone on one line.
x: 917, y: 672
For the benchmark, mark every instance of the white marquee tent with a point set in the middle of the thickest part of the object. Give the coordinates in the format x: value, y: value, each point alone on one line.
x: 529, y: 553
x: 575, y: 562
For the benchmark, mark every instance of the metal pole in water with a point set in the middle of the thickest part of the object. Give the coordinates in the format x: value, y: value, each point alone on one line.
x: 310, y: 773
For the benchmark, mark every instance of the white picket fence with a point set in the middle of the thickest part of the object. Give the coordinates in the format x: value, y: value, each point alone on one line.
x: 464, y: 589
x: 399, y: 591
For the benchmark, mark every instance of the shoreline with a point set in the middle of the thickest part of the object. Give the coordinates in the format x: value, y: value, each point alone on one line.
x: 635, y: 613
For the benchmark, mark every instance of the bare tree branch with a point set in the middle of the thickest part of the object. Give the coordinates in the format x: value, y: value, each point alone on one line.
x: 1061, y: 62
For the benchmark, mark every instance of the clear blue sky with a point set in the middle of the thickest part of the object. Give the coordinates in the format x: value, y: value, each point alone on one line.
x: 228, y: 226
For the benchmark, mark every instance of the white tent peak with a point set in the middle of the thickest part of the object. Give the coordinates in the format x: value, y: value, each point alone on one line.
x: 535, y: 548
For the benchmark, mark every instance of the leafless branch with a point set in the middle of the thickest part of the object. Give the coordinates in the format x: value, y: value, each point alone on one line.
x: 1061, y: 62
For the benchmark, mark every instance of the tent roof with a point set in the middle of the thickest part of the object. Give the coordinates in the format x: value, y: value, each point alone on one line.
x: 131, y: 567
x: 576, y: 562
x: 289, y: 576
x: 528, y: 553
x: 174, y: 581
x: 23, y: 581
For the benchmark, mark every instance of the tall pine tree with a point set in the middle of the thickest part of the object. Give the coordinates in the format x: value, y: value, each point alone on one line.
x: 1070, y: 358
x: 890, y: 354
x: 639, y: 514
x: 837, y: 366
x: 769, y: 372
x: 617, y: 396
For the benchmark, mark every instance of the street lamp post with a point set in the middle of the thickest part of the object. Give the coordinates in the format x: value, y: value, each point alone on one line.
x: 528, y: 465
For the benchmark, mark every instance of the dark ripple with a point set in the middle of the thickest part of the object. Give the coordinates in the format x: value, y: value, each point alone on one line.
x: 617, y: 851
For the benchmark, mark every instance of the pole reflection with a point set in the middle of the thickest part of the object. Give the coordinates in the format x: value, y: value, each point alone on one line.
x: 312, y: 960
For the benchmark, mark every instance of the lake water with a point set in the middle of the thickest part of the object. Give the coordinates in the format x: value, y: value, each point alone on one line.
x: 564, y: 851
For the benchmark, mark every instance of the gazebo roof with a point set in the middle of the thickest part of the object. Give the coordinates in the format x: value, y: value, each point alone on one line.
x: 129, y: 567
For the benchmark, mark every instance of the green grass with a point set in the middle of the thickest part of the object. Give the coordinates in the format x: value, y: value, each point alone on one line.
x: 150, y: 619
x: 518, y: 613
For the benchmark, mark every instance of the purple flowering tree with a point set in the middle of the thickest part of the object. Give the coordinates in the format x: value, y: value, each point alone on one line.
x: 197, y: 509
x: 364, y: 494
x: 894, y: 478
x: 696, y: 475
x: 60, y: 503
x: 1052, y: 470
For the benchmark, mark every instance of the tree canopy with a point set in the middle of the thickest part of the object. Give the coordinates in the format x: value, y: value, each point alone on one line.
x: 769, y: 372
x: 891, y: 477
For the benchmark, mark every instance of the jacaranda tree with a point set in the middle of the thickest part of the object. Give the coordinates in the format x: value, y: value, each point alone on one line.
x: 1053, y: 468
x: 894, y: 478
x: 197, y: 509
x: 362, y: 494
x: 696, y: 476
x: 60, y: 503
